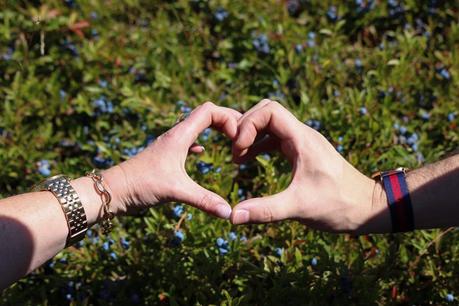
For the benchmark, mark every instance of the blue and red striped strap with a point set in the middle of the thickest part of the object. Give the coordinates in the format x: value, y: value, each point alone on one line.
x: 398, y: 197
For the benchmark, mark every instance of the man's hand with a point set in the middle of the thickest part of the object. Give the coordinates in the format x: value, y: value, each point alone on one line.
x: 325, y: 193
x: 158, y: 174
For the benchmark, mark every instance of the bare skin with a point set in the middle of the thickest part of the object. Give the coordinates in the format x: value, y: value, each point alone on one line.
x: 328, y: 193
x: 33, y: 224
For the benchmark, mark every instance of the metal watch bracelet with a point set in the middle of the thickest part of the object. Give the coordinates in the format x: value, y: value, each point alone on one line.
x: 70, y: 202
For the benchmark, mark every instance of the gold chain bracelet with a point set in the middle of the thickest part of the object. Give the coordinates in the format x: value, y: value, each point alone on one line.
x: 108, y: 216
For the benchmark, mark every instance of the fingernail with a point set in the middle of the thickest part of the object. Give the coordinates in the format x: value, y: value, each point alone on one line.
x: 224, y: 211
x: 240, y: 216
x: 202, y: 148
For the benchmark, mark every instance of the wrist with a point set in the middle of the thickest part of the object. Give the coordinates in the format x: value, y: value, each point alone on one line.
x: 116, y: 185
x: 377, y: 217
x: 91, y: 201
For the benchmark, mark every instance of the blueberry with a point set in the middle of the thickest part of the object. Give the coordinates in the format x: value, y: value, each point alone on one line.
x: 221, y: 242
x: 8, y: 55
x: 241, y: 193
x: 106, y: 246
x: 102, y: 105
x: 279, y: 251
x: 180, y: 103
x: 331, y: 13
x: 402, y: 139
x: 150, y: 138
x: 130, y: 152
x: 221, y: 14
x: 71, y: 47
x: 205, y: 134
x: 298, y: 48
x: 315, y: 124
x: 261, y: 44
x: 103, y: 83
x: 223, y: 251
x: 451, y: 117
x: 340, y: 149
x: 113, y: 255
x: 450, y: 297
x: 44, y: 167
x: 62, y: 94
x: 178, y: 211
x: 179, y: 235
x: 186, y: 110
x: 94, y: 33
x: 444, y: 73
x: 189, y: 216
x: 358, y: 64
x: 293, y: 7
x: 125, y: 243
x: 311, y: 42
x: 232, y: 236
x: 314, y: 262
x: 178, y: 238
x: 420, y: 157
x: 101, y: 162
x: 243, y: 238
x: 363, y: 111
x: 203, y: 167
x: 403, y: 130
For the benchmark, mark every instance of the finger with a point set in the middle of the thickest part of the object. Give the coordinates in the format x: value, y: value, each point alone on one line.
x: 256, y: 107
x: 203, y: 199
x: 265, y: 145
x: 196, y: 148
x: 264, y: 210
x: 271, y: 118
x: 207, y: 115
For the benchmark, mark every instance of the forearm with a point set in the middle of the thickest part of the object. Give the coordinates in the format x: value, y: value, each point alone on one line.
x: 33, y: 228
x: 434, y: 192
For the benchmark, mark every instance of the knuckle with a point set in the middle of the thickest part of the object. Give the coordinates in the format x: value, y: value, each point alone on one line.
x: 208, y: 104
x: 266, y: 214
x: 265, y: 101
x: 205, y: 203
x: 275, y: 105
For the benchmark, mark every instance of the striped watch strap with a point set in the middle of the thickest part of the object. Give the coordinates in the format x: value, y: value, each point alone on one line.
x: 398, y: 197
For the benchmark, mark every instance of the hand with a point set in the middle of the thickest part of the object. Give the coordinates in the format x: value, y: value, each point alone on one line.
x: 325, y: 193
x: 158, y: 174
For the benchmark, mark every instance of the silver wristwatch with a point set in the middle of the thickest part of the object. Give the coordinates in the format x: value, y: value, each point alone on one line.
x: 70, y: 202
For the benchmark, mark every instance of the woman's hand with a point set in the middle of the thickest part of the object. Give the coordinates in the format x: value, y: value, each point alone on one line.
x: 326, y: 192
x: 158, y: 174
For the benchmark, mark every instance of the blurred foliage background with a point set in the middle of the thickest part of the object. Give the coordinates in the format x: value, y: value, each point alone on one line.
x: 90, y: 83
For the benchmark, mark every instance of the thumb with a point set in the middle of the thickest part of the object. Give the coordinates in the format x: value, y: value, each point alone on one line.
x: 203, y: 199
x: 264, y: 210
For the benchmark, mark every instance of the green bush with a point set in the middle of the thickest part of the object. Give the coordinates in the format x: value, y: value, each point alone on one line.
x: 87, y: 84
